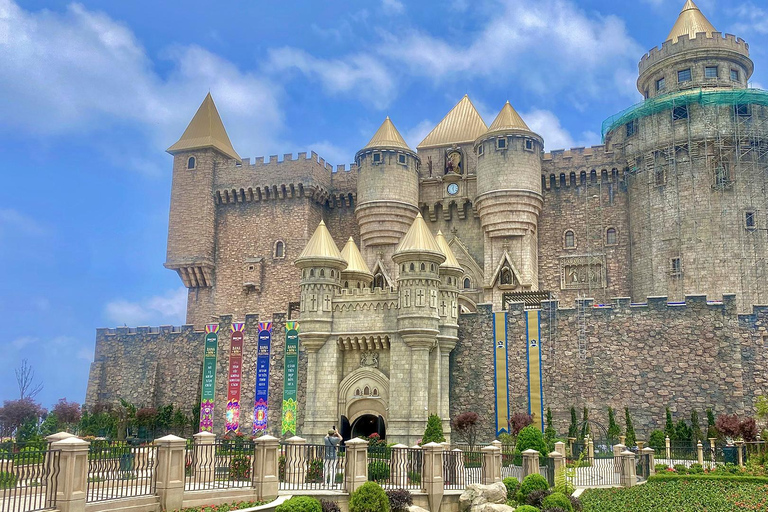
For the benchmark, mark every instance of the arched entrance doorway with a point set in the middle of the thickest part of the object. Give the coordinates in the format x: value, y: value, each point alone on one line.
x: 368, y: 424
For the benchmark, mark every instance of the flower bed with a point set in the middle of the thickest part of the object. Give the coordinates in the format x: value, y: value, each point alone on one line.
x: 681, y: 495
x: 225, y: 507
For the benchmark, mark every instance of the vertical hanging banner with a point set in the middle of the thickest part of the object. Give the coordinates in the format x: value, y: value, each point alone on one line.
x: 290, y: 377
x: 261, y: 400
x: 208, y: 392
x: 535, y: 388
x: 235, y: 376
x: 501, y: 372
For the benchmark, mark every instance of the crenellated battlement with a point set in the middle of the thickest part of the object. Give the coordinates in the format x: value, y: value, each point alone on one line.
x: 703, y: 41
x: 274, y: 160
x: 726, y: 304
x: 162, y: 329
x: 568, y: 155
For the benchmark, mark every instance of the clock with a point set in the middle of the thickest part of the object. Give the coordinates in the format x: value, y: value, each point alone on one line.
x: 453, y: 189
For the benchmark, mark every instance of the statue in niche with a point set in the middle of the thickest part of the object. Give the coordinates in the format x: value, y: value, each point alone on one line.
x: 453, y: 162
x: 429, y: 165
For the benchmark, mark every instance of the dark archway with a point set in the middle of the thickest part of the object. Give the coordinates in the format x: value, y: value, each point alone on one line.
x: 368, y: 424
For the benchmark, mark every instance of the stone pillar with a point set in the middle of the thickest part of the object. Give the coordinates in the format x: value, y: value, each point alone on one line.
x: 640, y: 446
x: 356, y: 469
x: 295, y: 460
x: 170, y: 471
x: 7, y: 465
x: 669, y: 451
x: 72, y: 480
x: 204, y: 461
x: 560, y: 448
x: 700, y: 452
x: 432, y: 475
x: 266, y: 467
x: 740, y: 452
x: 712, y: 446
x: 648, y: 454
x: 617, y: 451
x: 571, y: 440
x: 623, y: 440
x: 491, y: 465
x: 591, y: 447
x: 558, y: 461
x: 530, y: 462
x: 399, y: 465
x: 628, y: 473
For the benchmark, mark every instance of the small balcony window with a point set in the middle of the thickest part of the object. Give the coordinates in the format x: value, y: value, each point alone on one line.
x: 749, y: 220
x: 675, y: 267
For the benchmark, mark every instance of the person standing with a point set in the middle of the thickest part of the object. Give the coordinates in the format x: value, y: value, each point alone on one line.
x: 332, y: 441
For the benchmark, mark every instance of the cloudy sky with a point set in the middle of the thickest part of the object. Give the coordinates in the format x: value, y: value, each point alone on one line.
x: 92, y: 93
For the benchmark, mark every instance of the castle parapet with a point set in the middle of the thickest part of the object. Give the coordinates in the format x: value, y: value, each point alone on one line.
x: 715, y: 40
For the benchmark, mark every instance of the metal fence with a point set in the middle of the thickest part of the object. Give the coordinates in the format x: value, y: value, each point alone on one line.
x: 395, y: 468
x: 462, y: 468
x: 117, y: 470
x: 222, y: 464
x: 28, y: 479
x: 311, y: 466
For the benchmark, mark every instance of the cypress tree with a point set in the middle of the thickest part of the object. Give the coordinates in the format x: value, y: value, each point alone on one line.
x: 669, y: 427
x: 434, y: 431
x: 711, y: 428
x: 614, y: 431
x: 696, y: 433
x: 585, y: 423
x: 550, y: 433
x: 573, y: 428
x: 630, y: 432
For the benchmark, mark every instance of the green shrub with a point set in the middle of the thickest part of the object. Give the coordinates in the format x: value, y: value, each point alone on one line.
x: 399, y: 499
x: 535, y: 498
x: 378, y: 470
x: 531, y: 438
x: 681, y: 469
x: 240, y: 468
x: 29, y: 455
x: 557, y: 499
x: 513, y: 485
x: 433, y: 433
x: 370, y: 497
x: 533, y: 482
x: 473, y: 460
x: 660, y: 467
x: 658, y: 441
x: 670, y: 477
x: 414, y: 477
x: 7, y: 480
x: 696, y: 469
x: 300, y: 504
x: 526, y: 508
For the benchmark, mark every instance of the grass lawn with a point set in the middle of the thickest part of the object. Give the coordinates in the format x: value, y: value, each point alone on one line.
x: 679, y: 496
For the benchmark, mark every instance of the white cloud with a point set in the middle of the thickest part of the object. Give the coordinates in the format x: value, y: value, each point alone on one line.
x: 547, y: 124
x: 393, y: 6
x: 23, y: 341
x: 169, y: 308
x: 14, y: 221
x: 85, y: 354
x: 333, y: 154
x: 417, y: 133
x: 754, y: 19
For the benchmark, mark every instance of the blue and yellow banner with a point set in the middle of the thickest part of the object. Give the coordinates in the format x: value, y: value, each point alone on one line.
x: 535, y: 388
x: 501, y: 372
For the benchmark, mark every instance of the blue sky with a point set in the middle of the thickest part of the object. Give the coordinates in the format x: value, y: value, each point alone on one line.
x: 92, y: 93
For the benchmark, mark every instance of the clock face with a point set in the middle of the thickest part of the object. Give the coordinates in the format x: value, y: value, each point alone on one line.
x: 453, y: 189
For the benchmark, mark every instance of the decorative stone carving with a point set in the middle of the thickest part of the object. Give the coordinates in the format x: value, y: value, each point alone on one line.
x: 369, y: 359
x: 577, y: 272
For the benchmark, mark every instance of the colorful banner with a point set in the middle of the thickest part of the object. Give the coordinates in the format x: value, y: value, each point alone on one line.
x: 261, y: 400
x: 208, y: 392
x: 290, y: 377
x: 235, y: 376
x: 501, y: 372
x: 535, y: 389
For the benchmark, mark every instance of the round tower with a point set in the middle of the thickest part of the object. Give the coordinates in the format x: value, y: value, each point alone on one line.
x: 696, y: 172
x: 356, y: 275
x: 509, y: 197
x: 387, y: 192
x: 321, y: 265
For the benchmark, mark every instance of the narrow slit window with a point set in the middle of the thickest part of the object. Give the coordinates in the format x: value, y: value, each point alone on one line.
x: 749, y: 220
x: 570, y: 239
x: 191, y: 162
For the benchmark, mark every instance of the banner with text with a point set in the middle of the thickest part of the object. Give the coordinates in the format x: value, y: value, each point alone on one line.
x: 501, y: 372
x: 290, y: 377
x: 535, y: 390
x: 261, y: 400
x: 235, y: 376
x: 209, y: 377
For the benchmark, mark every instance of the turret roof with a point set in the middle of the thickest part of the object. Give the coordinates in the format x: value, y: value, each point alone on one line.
x: 418, y: 239
x: 508, y: 119
x: 450, y: 258
x: 320, y: 247
x: 205, y: 131
x: 355, y: 261
x: 690, y: 22
x: 387, y: 136
x: 461, y: 125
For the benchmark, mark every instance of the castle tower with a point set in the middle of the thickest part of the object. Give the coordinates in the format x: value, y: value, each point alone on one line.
x: 192, y: 222
x: 356, y: 275
x: 697, y: 177
x: 321, y: 265
x: 387, y: 193
x: 508, y: 203
x: 418, y: 258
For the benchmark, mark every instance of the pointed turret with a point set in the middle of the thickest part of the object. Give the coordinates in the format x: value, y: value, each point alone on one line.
x: 357, y: 272
x: 507, y: 121
x: 205, y: 131
x: 320, y: 249
x: 387, y: 136
x: 418, y: 241
x: 462, y: 125
x: 690, y: 22
x: 450, y: 259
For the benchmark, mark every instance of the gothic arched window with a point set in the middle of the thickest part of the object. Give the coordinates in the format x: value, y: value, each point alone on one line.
x: 279, y: 249
x: 570, y: 239
x: 191, y: 162
x: 467, y: 283
x: 378, y: 280
x: 610, y: 236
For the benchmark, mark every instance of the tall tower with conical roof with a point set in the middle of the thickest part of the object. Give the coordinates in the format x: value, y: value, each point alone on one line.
x: 192, y: 221
x: 509, y: 201
x: 387, y: 193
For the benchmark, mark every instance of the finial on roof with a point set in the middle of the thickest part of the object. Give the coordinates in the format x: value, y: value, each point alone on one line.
x: 690, y: 22
x: 205, y: 131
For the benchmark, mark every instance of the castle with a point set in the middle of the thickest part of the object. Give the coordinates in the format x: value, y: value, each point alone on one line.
x: 479, y: 272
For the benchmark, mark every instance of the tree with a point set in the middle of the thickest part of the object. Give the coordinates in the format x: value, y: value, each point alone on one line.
x: 585, y: 423
x: 467, y: 425
x: 573, y: 428
x: 25, y: 378
x: 683, y: 433
x: 179, y: 422
x: 614, y: 431
x: 19, y: 413
x: 669, y: 426
x: 519, y: 421
x: 68, y: 413
x: 550, y: 433
x: 630, y: 429
x: 728, y: 425
x: 761, y: 408
x: 531, y: 438
x: 696, y: 433
x: 711, y: 427
x: 748, y: 429
x: 433, y: 433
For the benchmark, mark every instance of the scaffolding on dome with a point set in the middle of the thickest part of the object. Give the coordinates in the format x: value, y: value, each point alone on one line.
x: 678, y: 99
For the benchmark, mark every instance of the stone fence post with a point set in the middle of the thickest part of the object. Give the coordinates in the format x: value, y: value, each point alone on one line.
x: 628, y: 473
x: 530, y: 462
x: 204, y: 460
x: 669, y: 451
x: 558, y: 460
x: 491, y: 472
x: 648, y: 454
x: 170, y: 471
x: 72, y: 480
x: 265, y: 470
x: 618, y: 449
x: 295, y: 460
x: 432, y: 475
x: 740, y: 451
x: 356, y: 464
x: 700, y: 452
x: 50, y: 460
x: 713, y: 455
x: 591, y: 446
x: 571, y: 440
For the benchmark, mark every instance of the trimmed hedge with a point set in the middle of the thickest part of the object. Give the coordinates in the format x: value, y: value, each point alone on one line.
x: 671, y: 477
x: 300, y: 504
x: 557, y: 499
x: 526, y: 508
x: 533, y: 482
x: 512, y: 484
x: 370, y: 497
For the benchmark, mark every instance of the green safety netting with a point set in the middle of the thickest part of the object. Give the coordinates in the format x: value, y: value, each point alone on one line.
x: 668, y: 101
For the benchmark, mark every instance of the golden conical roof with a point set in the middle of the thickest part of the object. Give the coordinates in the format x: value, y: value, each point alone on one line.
x: 387, y: 136
x: 461, y: 125
x: 690, y: 22
x: 355, y: 261
x: 508, y: 119
x: 450, y: 258
x: 321, y: 248
x: 419, y: 239
x: 205, y: 131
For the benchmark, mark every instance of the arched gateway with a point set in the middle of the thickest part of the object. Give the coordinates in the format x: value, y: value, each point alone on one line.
x: 363, y: 403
